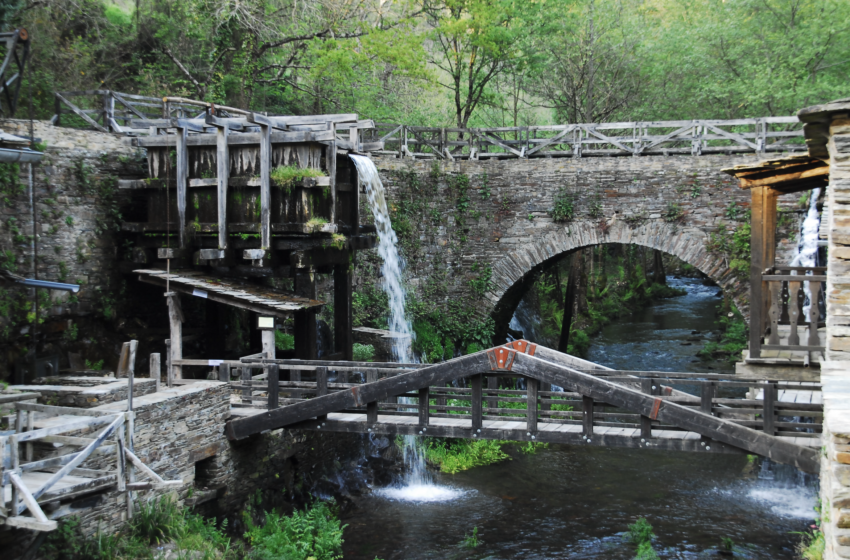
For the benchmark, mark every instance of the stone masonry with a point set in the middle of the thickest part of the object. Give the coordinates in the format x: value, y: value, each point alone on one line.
x: 668, y: 203
x: 827, y: 132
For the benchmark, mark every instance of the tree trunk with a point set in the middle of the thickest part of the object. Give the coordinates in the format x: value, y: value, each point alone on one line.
x: 570, y: 300
x: 658, y: 274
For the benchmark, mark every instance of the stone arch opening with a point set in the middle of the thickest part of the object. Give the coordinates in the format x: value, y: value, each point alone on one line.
x: 515, y: 273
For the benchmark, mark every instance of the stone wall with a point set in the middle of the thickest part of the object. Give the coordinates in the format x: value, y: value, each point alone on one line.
x: 75, y: 195
x: 499, y: 224
x: 827, y: 132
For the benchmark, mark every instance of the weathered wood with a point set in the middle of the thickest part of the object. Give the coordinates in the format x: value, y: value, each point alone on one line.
x: 155, y: 369
x: 477, y: 410
x: 265, y: 187
x: 587, y: 416
x: 222, y: 174
x: 768, y: 409
x: 175, y: 321
x: 80, y: 113
x: 531, y: 404
x: 814, y: 313
x: 343, y: 335
x: 246, y: 376
x: 372, y: 413
x: 274, y: 386
x: 182, y: 181
x: 424, y: 406
x: 706, y: 397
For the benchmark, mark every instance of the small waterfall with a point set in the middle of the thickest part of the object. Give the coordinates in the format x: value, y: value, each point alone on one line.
x: 807, y: 249
x: 418, y: 485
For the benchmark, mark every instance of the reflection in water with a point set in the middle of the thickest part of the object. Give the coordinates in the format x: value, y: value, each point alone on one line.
x: 572, y: 502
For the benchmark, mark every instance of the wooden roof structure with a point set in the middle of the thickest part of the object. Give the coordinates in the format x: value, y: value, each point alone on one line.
x: 253, y: 297
x: 785, y: 175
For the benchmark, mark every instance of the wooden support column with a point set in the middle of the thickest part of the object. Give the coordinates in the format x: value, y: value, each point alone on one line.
x: 706, y: 397
x: 645, y: 422
x: 763, y: 255
x: 545, y: 402
x: 224, y: 373
x: 155, y: 369
x: 330, y: 160
x: 343, y: 334
x: 492, y: 385
x: 424, y: 405
x: 222, y: 155
x: 269, y: 350
x: 477, y: 411
x: 322, y: 386
x: 265, y: 187
x: 372, y: 407
x: 175, y: 319
x: 531, y: 405
x: 587, y: 416
x: 182, y: 181
x: 274, y: 386
x: 247, y: 389
x: 769, y: 410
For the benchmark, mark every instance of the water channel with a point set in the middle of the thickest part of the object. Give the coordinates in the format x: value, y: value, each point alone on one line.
x: 575, y: 502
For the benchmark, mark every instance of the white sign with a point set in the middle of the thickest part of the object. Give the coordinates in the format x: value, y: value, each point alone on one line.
x: 216, y: 362
x: 199, y: 293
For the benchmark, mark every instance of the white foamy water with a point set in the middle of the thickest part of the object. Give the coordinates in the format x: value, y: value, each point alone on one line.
x: 418, y: 485
x: 788, y: 502
x: 421, y: 493
x: 808, y: 247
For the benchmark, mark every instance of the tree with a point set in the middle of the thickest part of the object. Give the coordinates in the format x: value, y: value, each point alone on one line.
x: 592, y: 71
x: 473, y: 43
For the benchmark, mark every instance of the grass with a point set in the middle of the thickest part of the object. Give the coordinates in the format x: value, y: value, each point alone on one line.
x: 640, y: 533
x: 472, y: 540
x: 287, y: 175
x: 456, y: 455
x: 316, y: 222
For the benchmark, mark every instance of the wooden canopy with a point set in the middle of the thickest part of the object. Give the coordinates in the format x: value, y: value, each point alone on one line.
x: 785, y: 175
x: 259, y: 299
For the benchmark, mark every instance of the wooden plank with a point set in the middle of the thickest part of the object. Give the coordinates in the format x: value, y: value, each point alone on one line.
x: 223, y: 174
x: 645, y: 422
x: 587, y: 416
x: 274, y: 386
x: 424, y: 405
x: 182, y: 181
x: 477, y: 410
x: 768, y: 411
x: 80, y: 113
x: 531, y: 387
x: 265, y: 187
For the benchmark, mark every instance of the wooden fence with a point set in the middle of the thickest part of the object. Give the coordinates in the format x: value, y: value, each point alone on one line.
x: 695, y: 137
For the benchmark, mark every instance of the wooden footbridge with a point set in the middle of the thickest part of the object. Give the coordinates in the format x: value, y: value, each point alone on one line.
x: 565, y: 400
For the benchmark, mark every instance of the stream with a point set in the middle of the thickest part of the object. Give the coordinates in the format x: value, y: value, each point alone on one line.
x: 576, y: 502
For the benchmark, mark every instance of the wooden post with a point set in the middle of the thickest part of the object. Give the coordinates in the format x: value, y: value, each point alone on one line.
x: 768, y: 413
x: 492, y: 385
x: 274, y: 386
x: 247, y: 382
x: 57, y: 108
x: 424, y: 405
x: 645, y: 422
x: 269, y: 350
x: 706, y: 396
x: 182, y: 182
x: 16, y: 465
x: 108, y: 111
x: 305, y: 320
x: 763, y: 250
x: 169, y: 370
x: 223, y: 174
x: 372, y: 413
x: 30, y: 426
x: 343, y: 335
x: 531, y: 405
x: 587, y: 416
x: 545, y: 402
x: 322, y: 385
x: 477, y: 420
x: 155, y: 369
x: 130, y: 379
x: 265, y: 186
x: 330, y: 158
x: 814, y: 314
x: 175, y: 318
x: 224, y: 373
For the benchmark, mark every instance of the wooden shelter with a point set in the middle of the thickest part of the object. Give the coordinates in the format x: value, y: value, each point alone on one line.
x: 776, y: 291
x: 239, y: 195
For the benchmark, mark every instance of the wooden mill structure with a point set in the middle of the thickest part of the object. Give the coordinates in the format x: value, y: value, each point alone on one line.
x: 234, y: 198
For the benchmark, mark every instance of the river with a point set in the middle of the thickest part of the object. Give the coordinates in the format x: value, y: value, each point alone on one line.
x: 576, y: 502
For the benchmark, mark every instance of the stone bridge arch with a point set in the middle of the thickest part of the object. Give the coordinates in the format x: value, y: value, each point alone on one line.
x: 514, y: 273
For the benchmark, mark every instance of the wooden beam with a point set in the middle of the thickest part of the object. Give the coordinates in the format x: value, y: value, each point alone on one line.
x: 424, y: 403
x: 182, y: 181
x: 265, y: 186
x: 531, y: 405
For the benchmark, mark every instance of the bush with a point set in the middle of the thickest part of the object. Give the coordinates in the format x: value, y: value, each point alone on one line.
x: 363, y: 352
x: 646, y: 552
x: 314, y: 534
x: 284, y: 341
x: 157, y: 521
x: 455, y: 455
x: 640, y: 531
x: 564, y: 208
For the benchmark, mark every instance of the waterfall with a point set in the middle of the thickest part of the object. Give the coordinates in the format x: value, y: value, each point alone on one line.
x: 807, y: 248
x: 418, y: 485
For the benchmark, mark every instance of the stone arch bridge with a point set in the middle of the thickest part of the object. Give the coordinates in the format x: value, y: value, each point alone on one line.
x: 461, y: 218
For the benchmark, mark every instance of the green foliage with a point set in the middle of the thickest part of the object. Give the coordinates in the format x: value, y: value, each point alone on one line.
x: 312, y: 534
x: 288, y: 175
x: 734, y: 247
x: 564, y: 208
x: 456, y: 455
x: 284, y: 341
x: 94, y: 366
x: 640, y: 534
x: 646, y: 552
x: 10, y: 184
x: 472, y: 540
x: 674, y: 213
x: 158, y: 521
x: 734, y: 335
x: 68, y: 543
x: 363, y: 352
x: 481, y: 284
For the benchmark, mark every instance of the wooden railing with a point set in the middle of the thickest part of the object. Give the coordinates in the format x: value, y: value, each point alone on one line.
x: 35, y: 479
x: 497, y: 397
x: 782, y: 295
x: 760, y: 135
